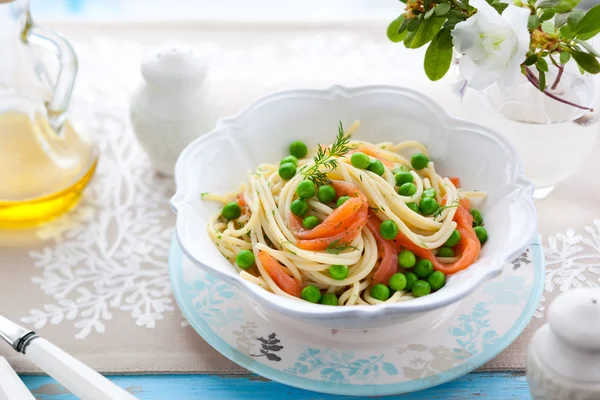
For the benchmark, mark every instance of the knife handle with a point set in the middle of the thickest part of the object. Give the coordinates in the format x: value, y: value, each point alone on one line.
x: 11, y: 387
x: 77, y: 377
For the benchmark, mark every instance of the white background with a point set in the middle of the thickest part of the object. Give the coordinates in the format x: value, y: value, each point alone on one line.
x: 217, y: 10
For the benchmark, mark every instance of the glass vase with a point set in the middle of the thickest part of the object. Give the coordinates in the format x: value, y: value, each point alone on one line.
x: 553, y: 131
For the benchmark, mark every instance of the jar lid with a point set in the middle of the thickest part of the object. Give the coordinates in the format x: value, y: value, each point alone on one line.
x: 574, y: 317
x: 173, y: 63
x: 569, y: 344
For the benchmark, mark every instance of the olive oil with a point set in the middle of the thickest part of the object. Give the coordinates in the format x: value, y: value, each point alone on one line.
x: 42, y: 172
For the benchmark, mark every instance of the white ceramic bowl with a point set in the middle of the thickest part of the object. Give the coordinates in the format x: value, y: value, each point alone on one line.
x: 220, y: 160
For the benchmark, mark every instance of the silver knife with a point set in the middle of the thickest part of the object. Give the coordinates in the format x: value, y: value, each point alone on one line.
x: 77, y: 377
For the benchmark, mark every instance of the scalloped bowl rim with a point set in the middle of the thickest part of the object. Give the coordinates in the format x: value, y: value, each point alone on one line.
x: 307, y: 310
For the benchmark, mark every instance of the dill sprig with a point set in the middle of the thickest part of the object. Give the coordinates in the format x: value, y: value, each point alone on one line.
x: 326, y: 158
x: 441, y: 209
x: 336, y: 247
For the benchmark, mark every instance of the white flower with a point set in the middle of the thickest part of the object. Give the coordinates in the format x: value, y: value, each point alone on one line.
x: 492, y: 45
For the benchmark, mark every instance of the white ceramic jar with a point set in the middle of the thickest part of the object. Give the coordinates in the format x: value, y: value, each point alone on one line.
x: 171, y: 107
x: 563, y: 360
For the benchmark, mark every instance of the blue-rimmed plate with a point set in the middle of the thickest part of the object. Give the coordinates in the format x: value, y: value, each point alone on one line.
x: 425, y: 352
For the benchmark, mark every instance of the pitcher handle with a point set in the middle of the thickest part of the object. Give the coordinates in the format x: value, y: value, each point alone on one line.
x: 63, y: 85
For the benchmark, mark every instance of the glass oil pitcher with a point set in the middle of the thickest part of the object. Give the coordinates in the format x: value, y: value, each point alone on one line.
x: 44, y: 162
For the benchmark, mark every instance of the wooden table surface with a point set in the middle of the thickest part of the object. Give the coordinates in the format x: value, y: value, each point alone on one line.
x: 479, y: 385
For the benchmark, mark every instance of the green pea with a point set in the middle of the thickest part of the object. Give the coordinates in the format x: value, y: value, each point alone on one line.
x: 445, y: 252
x: 231, y: 210
x: 310, y: 222
x: 360, y: 160
x: 342, y: 200
x: 428, y: 206
x: 388, y: 229
x: 403, y: 177
x: 329, y: 299
x: 289, y: 159
x: 413, y: 206
x: 311, y: 294
x: 421, y: 288
x: 245, y: 259
x: 419, y: 161
x: 454, y: 239
x: 380, y: 292
x: 481, y: 233
x: 406, y: 259
x: 397, y: 281
x: 338, y: 272
x: 424, y: 268
x: 326, y: 194
x: 401, y: 168
x: 299, y: 207
x: 287, y: 171
x: 298, y: 149
x: 477, y: 218
x: 436, y: 280
x: 429, y: 193
x: 306, y: 189
x: 407, y: 189
x: 411, y: 278
x: 377, y: 167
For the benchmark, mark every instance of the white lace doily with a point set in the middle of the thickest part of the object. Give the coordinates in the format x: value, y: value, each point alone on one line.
x: 572, y: 261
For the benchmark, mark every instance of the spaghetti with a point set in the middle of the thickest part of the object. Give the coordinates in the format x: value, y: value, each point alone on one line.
x: 358, y: 223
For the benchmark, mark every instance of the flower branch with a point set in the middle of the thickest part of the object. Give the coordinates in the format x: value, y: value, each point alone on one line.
x: 535, y: 82
x: 561, y: 70
x: 497, y: 40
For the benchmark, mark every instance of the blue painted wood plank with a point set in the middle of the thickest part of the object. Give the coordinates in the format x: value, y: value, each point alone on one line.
x: 488, y: 386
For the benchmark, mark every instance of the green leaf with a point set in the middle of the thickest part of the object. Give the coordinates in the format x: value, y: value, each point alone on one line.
x: 427, y: 30
x: 548, y: 26
x: 532, y: 59
x: 461, y: 5
x: 586, y: 61
x: 442, y: 9
x: 409, y: 38
x: 561, y: 19
x: 547, y: 15
x: 533, y: 22
x: 457, y: 14
x: 564, y: 57
x: 437, y: 62
x: 588, y: 47
x: 566, y: 6
x: 451, y: 23
x: 454, y: 17
x: 397, y: 29
x: 566, y: 32
x: 429, y: 13
x: 413, y: 24
x: 548, y: 3
x: 444, y: 39
x: 541, y: 65
x: 574, y: 19
x: 590, y: 22
x: 426, y: 4
x: 500, y: 7
x: 588, y: 36
x: 542, y: 80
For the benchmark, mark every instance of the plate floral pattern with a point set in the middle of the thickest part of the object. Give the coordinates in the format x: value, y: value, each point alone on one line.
x: 364, y: 362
